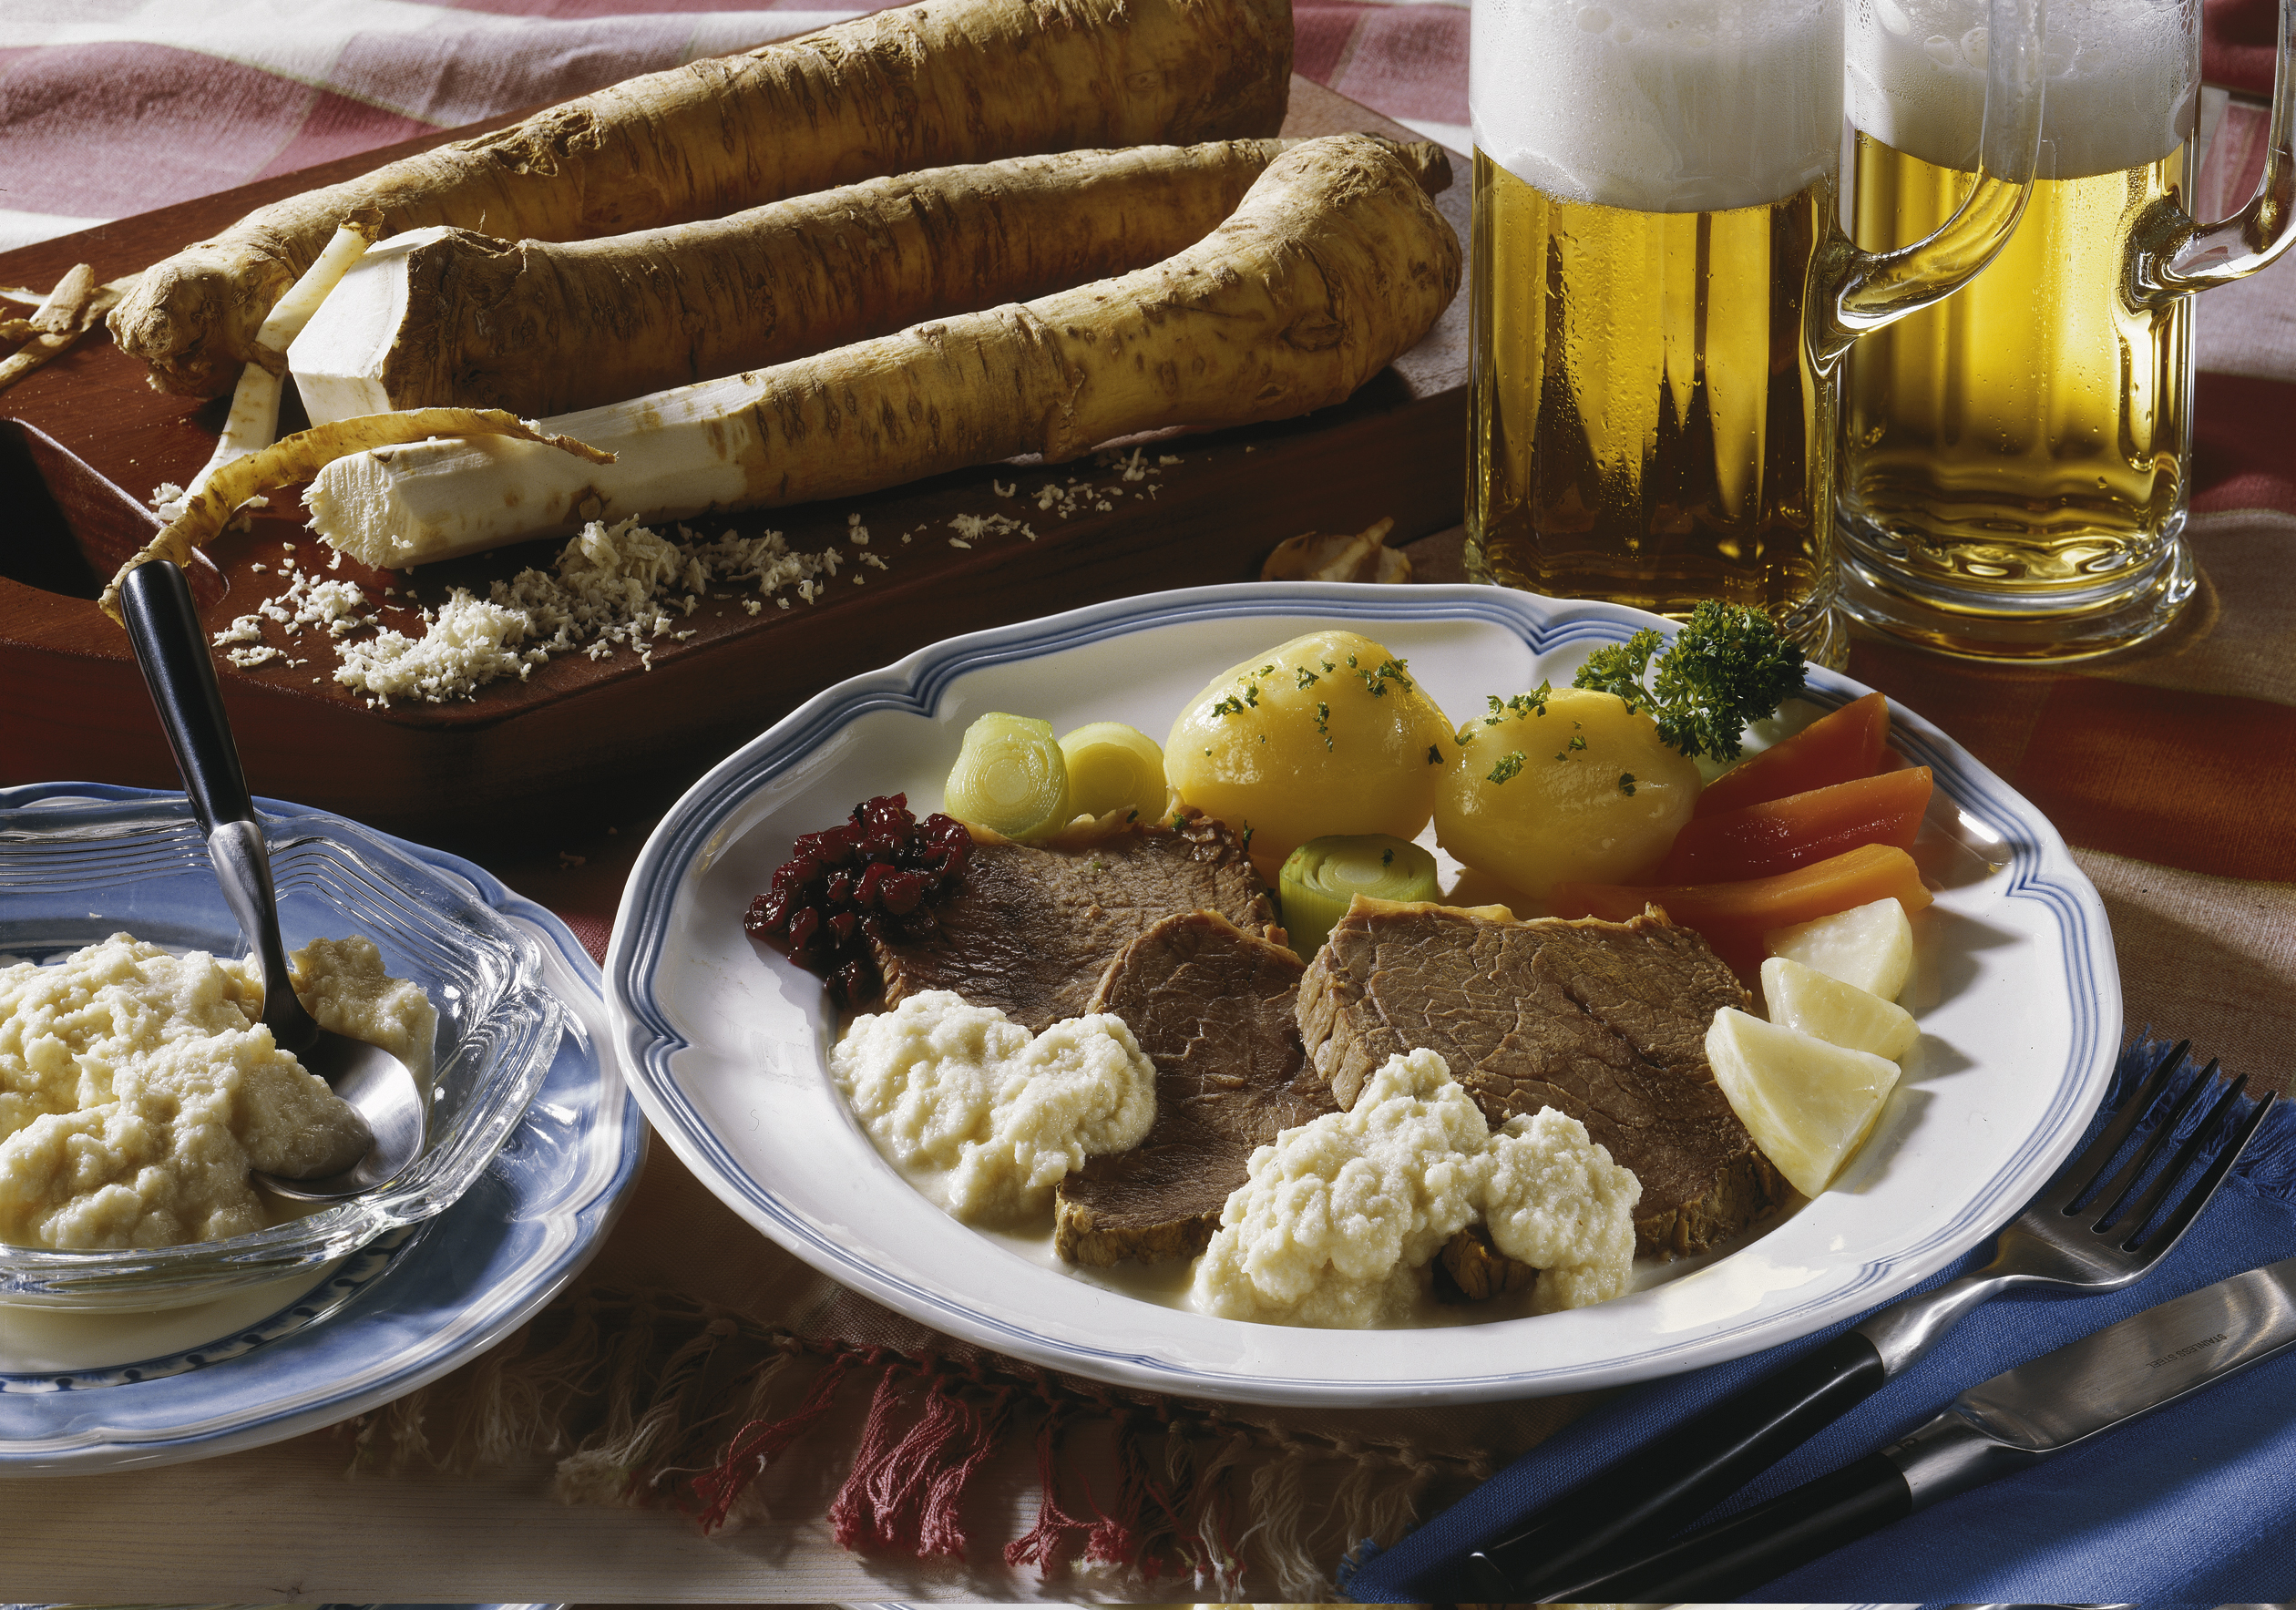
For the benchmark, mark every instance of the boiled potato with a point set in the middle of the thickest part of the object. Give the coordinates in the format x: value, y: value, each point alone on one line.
x: 1869, y: 946
x: 1584, y: 793
x: 1325, y: 734
x: 1807, y: 1104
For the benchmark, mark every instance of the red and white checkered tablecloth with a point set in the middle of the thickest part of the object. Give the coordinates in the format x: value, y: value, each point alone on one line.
x: 111, y: 109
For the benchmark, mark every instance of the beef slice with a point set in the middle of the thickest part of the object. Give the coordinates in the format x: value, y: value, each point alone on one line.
x: 1215, y: 1009
x: 1036, y: 925
x: 1605, y: 1021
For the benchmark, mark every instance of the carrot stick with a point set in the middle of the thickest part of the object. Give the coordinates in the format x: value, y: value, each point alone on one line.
x: 1779, y: 834
x: 1735, y: 915
x: 1834, y: 748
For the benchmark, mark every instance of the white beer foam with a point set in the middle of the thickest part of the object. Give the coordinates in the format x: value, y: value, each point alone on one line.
x: 2124, y: 80
x: 1661, y: 105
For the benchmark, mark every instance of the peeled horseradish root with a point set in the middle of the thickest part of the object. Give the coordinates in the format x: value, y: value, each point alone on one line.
x: 1325, y: 734
x: 1321, y: 879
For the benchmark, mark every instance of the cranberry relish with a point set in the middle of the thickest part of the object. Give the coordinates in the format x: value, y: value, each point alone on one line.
x: 880, y: 875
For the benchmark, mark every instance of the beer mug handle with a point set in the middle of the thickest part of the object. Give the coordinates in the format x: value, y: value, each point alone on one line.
x: 2171, y: 255
x: 1852, y: 292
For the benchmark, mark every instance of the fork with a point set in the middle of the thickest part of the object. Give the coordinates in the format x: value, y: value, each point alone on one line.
x: 2060, y: 1243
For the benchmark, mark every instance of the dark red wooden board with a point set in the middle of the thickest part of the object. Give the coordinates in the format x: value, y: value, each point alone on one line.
x: 596, y: 740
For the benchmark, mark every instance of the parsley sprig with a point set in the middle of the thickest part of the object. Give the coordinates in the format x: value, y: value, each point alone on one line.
x: 1728, y: 665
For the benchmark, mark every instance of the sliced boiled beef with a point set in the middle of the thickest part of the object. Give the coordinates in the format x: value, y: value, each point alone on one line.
x: 1215, y: 1009
x: 1605, y: 1021
x: 1036, y: 925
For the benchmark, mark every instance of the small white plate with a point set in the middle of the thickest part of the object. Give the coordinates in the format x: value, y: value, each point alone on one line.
x: 724, y: 1043
x: 91, y: 1392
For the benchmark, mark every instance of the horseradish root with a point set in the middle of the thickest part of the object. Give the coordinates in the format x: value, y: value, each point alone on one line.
x: 253, y: 422
x: 302, y: 303
x: 1334, y: 264
x: 443, y: 316
x: 210, y: 508
x: 945, y: 81
x: 63, y: 316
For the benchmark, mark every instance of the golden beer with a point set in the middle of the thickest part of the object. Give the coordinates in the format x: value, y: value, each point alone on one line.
x: 1645, y: 421
x: 2019, y: 450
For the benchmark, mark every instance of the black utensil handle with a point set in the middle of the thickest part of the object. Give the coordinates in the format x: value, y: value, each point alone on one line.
x: 1731, y: 1559
x: 163, y: 626
x: 1652, y: 1494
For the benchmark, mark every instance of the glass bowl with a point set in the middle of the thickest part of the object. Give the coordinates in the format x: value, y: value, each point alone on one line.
x: 75, y: 869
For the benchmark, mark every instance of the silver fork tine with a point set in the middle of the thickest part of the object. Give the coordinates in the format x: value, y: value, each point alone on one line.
x: 2116, y: 1194
x: 2074, y: 1180
x: 2204, y: 1186
x: 2226, y: 1093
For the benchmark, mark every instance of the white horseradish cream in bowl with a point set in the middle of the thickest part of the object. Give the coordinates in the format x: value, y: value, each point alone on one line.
x: 126, y: 1191
x: 140, y: 1092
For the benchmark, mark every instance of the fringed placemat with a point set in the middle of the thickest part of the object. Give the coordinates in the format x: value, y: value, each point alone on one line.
x: 651, y: 1398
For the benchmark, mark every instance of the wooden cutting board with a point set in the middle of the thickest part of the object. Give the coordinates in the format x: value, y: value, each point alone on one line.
x: 587, y: 739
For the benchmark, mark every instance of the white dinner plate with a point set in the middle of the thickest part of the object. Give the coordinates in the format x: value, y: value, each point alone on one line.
x: 724, y: 1043
x: 108, y: 1393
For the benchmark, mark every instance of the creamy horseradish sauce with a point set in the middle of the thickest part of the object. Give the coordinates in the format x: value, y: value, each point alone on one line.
x: 983, y: 1117
x: 1341, y: 1214
x: 138, y: 1088
x: 1335, y: 1226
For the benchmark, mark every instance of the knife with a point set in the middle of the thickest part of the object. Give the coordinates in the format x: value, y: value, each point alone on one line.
x: 2014, y: 1420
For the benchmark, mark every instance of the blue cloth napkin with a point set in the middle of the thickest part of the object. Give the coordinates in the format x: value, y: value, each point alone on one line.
x: 2195, y: 1504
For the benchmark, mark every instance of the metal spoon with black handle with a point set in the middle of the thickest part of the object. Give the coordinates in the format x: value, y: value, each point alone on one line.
x: 163, y: 626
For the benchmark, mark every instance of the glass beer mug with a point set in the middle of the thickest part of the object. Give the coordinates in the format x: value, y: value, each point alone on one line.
x: 2016, y: 464
x: 1661, y: 294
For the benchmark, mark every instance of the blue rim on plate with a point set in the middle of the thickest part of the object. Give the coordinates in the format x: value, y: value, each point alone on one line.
x: 2022, y: 874
x: 418, y: 1302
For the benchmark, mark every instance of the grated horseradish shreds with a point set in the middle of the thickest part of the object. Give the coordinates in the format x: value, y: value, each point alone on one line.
x: 972, y: 528
x: 308, y: 602
x: 613, y: 588
x: 467, y: 643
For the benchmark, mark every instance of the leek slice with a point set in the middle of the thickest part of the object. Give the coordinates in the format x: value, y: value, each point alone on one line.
x: 1113, y: 767
x: 1010, y: 777
x: 1322, y: 877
